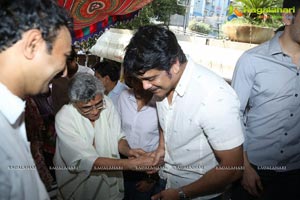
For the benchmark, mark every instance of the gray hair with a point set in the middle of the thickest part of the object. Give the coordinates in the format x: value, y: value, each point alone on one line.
x: 83, y: 87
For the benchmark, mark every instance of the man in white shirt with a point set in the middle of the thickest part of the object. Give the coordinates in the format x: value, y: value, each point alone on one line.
x: 89, y: 139
x: 108, y: 73
x: 34, y: 44
x: 198, y: 113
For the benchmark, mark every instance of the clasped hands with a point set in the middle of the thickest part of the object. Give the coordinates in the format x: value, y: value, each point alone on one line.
x: 146, y: 161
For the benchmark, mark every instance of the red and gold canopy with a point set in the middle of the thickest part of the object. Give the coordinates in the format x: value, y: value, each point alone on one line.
x: 93, y: 16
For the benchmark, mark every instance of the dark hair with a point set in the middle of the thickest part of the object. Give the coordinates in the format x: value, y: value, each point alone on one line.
x: 291, y: 4
x: 72, y: 65
x: 108, y: 68
x: 19, y: 16
x: 152, y: 47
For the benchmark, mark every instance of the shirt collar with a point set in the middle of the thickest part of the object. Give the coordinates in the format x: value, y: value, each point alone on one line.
x: 274, y: 45
x: 185, y: 78
x: 11, y: 106
x: 118, y: 88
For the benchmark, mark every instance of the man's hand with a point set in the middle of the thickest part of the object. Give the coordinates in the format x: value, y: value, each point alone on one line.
x: 169, y: 194
x: 135, y: 153
x: 144, y: 186
x: 141, y: 163
x: 251, y: 181
x: 159, y: 156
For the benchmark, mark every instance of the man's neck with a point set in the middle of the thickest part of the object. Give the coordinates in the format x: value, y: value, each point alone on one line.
x: 290, y: 47
x: 111, y: 86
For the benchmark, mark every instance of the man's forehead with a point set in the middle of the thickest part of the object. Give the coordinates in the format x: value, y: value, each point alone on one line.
x: 98, y: 98
x: 149, y: 74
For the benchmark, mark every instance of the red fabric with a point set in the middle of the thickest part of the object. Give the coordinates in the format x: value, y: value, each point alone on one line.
x: 93, y: 16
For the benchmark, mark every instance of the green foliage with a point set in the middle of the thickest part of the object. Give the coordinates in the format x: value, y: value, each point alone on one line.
x: 244, y: 21
x: 85, y: 45
x: 142, y: 19
x: 161, y: 10
x: 199, y: 27
x: 267, y: 19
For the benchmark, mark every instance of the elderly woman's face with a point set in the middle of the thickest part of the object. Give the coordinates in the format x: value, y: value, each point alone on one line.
x: 91, y: 109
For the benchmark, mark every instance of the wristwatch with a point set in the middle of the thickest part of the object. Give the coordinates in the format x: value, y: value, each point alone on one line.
x: 182, y: 195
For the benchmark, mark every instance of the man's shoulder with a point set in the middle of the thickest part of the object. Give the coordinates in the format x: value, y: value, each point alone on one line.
x: 125, y: 93
x: 64, y: 112
x: 121, y: 86
x: 265, y: 48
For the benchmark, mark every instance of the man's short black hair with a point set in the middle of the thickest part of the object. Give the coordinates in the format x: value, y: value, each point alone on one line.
x: 19, y: 16
x: 291, y: 4
x: 108, y: 68
x: 152, y: 47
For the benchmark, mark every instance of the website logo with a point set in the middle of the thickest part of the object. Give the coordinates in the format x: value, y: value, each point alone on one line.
x: 236, y: 12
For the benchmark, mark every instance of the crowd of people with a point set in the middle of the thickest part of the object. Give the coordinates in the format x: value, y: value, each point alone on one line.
x: 168, y: 129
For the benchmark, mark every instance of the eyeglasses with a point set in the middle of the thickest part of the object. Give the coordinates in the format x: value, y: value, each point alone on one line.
x: 85, y: 110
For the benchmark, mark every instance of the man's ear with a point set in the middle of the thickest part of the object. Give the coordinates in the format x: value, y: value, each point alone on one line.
x: 176, y: 67
x: 33, y: 41
x: 287, y: 18
x: 107, y: 78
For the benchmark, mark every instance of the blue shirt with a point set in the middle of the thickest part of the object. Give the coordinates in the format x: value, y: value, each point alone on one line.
x: 140, y: 126
x: 268, y: 81
x: 115, y: 93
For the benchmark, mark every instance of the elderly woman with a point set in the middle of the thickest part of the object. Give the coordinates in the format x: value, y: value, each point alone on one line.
x: 88, y: 144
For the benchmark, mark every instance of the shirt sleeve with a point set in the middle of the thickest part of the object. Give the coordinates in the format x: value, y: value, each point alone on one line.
x: 242, y: 83
x: 222, y: 124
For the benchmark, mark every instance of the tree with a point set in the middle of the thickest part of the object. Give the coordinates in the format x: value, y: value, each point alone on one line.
x: 163, y: 9
x: 143, y: 18
x: 160, y: 10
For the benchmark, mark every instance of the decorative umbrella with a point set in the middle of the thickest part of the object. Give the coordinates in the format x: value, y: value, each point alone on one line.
x: 94, y: 16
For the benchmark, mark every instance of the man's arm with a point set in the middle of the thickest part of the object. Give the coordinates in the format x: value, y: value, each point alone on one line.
x: 125, y: 149
x: 159, y: 153
x: 138, y: 161
x: 108, y: 164
x: 251, y: 180
x: 214, y: 181
x: 242, y: 82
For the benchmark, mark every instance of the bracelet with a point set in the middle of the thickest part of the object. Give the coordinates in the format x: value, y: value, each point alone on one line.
x: 182, y: 195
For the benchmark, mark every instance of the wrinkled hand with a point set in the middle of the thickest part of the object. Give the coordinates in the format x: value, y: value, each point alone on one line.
x: 142, y: 163
x: 169, y: 194
x: 135, y: 153
x: 251, y: 181
x: 144, y: 186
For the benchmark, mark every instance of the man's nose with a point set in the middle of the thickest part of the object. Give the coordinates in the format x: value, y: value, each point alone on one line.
x: 146, y: 84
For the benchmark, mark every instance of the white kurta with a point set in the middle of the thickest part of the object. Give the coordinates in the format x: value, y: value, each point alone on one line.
x: 75, y: 154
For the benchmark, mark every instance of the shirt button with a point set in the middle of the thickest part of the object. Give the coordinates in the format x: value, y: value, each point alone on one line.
x: 292, y: 115
x: 296, y: 95
x: 297, y: 73
x: 281, y: 151
x: 285, y: 133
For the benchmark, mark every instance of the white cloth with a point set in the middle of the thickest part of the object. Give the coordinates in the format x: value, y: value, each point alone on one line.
x: 140, y: 127
x: 204, y: 115
x: 75, y: 154
x: 85, y: 69
x: 114, y: 94
x: 19, y: 178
